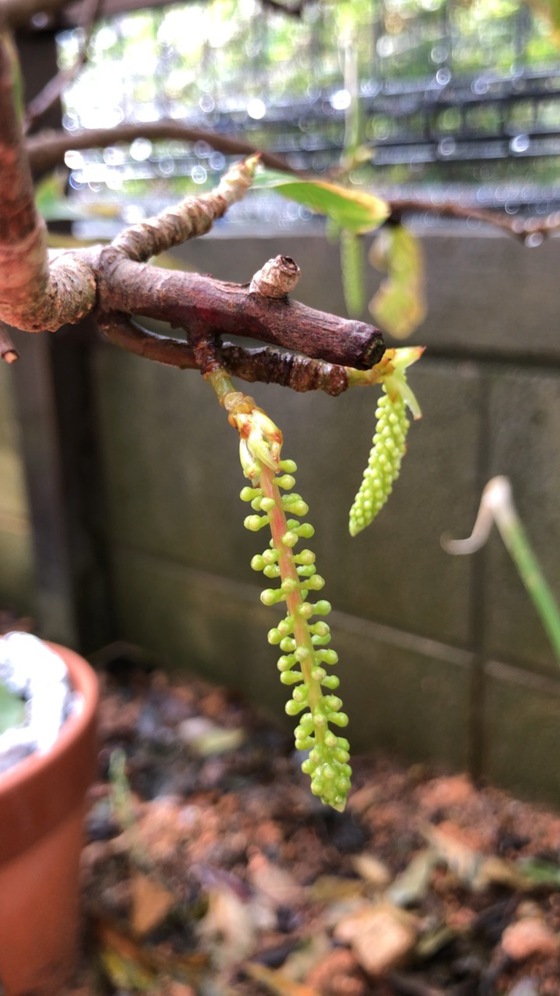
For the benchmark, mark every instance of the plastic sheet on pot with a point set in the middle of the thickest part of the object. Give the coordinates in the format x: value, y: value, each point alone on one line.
x: 33, y: 672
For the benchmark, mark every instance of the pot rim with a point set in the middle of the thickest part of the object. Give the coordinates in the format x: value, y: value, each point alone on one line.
x: 37, y: 793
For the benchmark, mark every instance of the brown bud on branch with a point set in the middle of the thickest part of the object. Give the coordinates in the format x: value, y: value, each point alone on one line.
x: 277, y: 278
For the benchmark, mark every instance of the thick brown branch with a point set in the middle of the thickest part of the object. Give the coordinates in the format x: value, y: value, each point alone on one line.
x: 48, y: 149
x: 33, y: 295
x: 265, y: 365
x: 231, y: 309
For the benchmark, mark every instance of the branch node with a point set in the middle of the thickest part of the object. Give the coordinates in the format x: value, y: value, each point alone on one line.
x: 277, y: 278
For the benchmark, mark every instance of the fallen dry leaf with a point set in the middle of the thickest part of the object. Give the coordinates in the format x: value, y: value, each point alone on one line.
x: 380, y: 936
x: 370, y: 868
x: 230, y: 922
x: 413, y: 883
x: 529, y: 937
x: 275, y: 883
x: 277, y: 982
x: 151, y: 902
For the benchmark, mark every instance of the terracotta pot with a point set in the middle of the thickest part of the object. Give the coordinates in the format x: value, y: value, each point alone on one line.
x: 41, y: 820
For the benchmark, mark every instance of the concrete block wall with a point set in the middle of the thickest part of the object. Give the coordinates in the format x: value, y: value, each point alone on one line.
x: 442, y: 659
x: 17, y: 583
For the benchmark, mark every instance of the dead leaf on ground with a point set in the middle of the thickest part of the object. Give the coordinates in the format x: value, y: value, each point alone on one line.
x: 413, y: 883
x: 529, y: 937
x: 276, y: 884
x: 380, y: 935
x: 370, y: 868
x: 151, y: 902
x: 276, y: 981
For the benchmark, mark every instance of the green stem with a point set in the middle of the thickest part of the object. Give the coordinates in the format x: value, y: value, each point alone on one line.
x: 518, y: 546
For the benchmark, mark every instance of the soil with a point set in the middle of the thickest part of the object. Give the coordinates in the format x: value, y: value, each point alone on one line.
x: 210, y: 869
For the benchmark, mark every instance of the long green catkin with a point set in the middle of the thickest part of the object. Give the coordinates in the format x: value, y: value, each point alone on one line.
x: 306, y: 655
x: 384, y: 463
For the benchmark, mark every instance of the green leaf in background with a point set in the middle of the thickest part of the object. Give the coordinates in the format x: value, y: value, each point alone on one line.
x: 53, y: 205
x: 11, y: 709
x: 549, y: 9
x: 399, y: 305
x: 354, y: 210
x: 50, y: 199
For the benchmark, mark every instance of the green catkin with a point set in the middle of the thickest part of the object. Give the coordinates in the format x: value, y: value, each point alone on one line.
x: 301, y: 638
x: 384, y: 464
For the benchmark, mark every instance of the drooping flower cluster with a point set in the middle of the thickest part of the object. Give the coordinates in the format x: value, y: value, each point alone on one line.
x: 389, y: 440
x: 301, y: 637
x: 384, y: 462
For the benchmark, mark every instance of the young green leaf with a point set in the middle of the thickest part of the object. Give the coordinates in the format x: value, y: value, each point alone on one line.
x: 399, y: 305
x: 354, y: 210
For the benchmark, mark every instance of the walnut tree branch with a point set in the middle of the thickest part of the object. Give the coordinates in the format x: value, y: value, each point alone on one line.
x: 42, y: 290
x: 47, y: 149
x: 269, y: 366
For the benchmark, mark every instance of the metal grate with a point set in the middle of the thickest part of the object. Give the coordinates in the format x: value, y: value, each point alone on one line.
x: 447, y: 94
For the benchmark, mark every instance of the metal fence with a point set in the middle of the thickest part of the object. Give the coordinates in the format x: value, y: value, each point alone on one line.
x: 443, y: 93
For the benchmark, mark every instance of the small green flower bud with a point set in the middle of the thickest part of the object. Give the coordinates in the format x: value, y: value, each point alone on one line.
x: 270, y: 596
x: 331, y: 681
x: 286, y: 482
x: 316, y: 582
x: 290, y: 677
x: 300, y: 694
x: 327, y: 656
x: 247, y: 493
x: 286, y: 662
x: 306, y: 570
x: 305, y: 725
x: 322, y: 607
x: 289, y: 585
x: 305, y: 610
x: 339, y: 719
x: 293, y: 708
x: 305, y: 530
x: 255, y: 522
x: 290, y: 538
x: 305, y: 557
x: 320, y: 628
x: 271, y: 571
x: 286, y: 626
x: 332, y: 703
